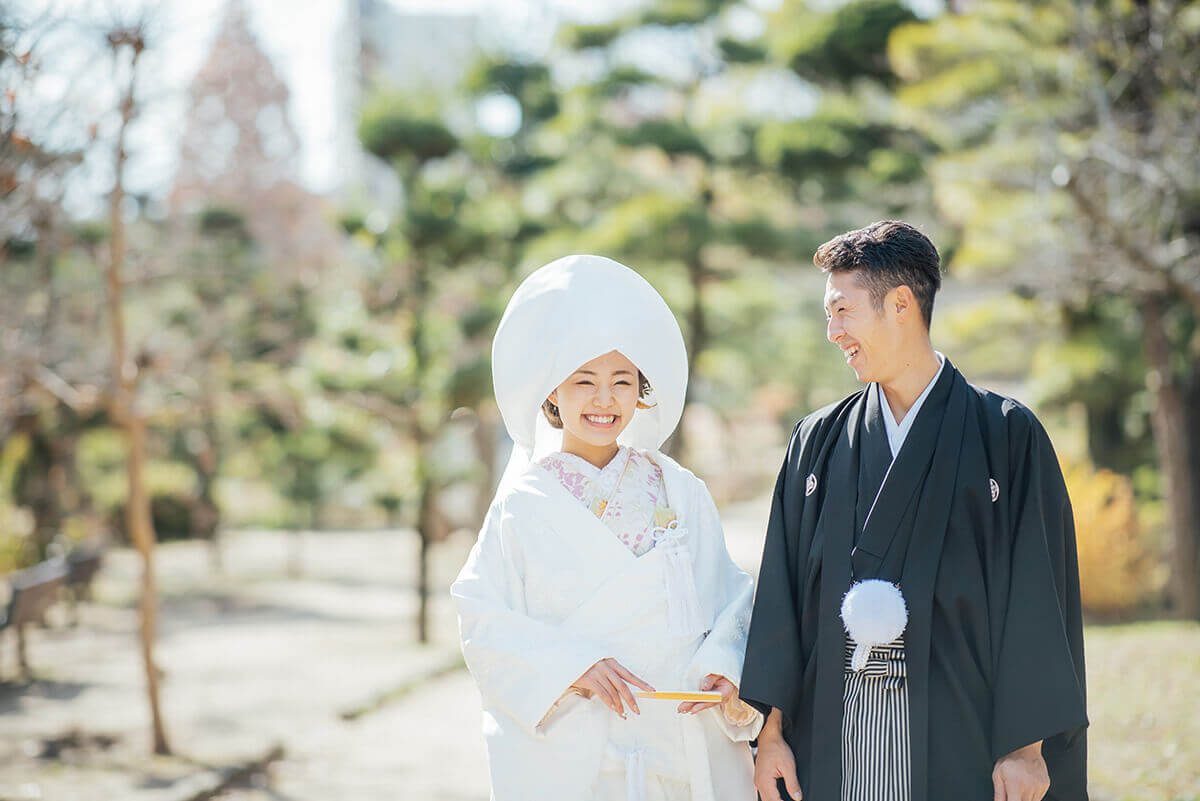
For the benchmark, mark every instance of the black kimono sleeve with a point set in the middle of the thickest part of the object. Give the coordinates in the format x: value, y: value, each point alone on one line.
x: 771, y: 675
x: 1039, y: 690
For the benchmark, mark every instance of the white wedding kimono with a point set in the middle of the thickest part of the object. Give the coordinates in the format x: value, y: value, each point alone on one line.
x: 548, y: 591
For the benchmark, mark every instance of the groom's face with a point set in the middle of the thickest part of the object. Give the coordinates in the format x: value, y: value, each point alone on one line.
x: 867, y: 336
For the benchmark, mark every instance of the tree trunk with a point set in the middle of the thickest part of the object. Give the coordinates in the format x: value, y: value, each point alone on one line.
x: 38, y: 484
x: 1175, y: 439
x: 486, y: 429
x: 207, y: 464
x: 697, y: 343
x: 141, y: 529
x: 295, y: 563
x: 427, y: 532
x: 122, y: 402
x: 426, y: 416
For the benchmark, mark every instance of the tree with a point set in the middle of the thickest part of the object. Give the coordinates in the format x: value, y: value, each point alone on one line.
x: 252, y: 244
x: 1069, y: 169
x: 128, y: 43
x: 678, y: 166
x: 240, y: 151
x: 431, y: 255
x: 41, y: 402
x: 655, y: 178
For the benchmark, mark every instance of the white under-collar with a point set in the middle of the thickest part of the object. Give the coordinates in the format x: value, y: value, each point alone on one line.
x: 898, y: 432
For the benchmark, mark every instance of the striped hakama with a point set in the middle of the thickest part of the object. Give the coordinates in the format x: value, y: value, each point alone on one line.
x: 876, y: 757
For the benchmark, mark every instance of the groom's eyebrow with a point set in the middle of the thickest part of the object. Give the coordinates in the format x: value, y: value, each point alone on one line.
x: 832, y: 299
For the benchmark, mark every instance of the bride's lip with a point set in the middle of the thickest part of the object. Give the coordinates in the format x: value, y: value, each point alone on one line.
x: 589, y: 419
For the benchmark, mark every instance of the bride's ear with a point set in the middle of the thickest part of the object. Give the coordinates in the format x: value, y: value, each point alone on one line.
x: 646, y: 400
x: 553, y: 397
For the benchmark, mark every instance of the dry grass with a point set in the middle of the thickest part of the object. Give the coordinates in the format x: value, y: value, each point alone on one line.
x: 1144, y: 705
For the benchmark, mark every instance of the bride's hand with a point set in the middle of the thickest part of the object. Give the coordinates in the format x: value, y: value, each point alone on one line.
x: 609, y: 681
x: 712, y: 683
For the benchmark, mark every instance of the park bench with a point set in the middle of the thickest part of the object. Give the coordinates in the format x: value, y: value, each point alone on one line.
x: 34, y: 590
x: 83, y: 563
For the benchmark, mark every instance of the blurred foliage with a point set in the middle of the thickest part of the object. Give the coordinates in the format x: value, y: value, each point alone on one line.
x: 581, y: 37
x: 390, y: 133
x: 711, y: 157
x: 1119, y: 564
x: 528, y: 83
x: 1066, y: 162
x: 845, y: 45
x: 681, y: 12
x: 1097, y: 363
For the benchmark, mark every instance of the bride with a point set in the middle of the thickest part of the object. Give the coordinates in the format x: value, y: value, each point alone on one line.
x: 600, y: 613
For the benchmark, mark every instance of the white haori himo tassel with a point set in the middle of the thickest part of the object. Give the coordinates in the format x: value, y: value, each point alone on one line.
x: 874, y: 613
x: 683, y: 602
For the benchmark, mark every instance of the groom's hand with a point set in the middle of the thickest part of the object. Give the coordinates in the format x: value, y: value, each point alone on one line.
x: 1021, y: 775
x: 775, y: 761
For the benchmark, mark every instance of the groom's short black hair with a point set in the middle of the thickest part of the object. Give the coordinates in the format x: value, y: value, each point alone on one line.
x: 886, y: 254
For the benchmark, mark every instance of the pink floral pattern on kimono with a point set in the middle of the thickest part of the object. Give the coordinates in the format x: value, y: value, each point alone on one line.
x: 627, y: 494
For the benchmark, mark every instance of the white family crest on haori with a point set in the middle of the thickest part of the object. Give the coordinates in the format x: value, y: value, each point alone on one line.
x: 995, y: 487
x: 810, y: 486
x: 874, y: 613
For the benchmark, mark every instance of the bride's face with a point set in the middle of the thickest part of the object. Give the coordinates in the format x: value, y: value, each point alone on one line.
x: 598, y: 400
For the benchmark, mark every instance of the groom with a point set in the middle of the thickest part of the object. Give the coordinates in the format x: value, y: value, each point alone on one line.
x: 953, y: 495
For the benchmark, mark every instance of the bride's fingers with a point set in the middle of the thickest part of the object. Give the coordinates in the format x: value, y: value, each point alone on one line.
x: 692, y: 707
x: 625, y: 693
x: 603, y: 694
x: 614, y: 692
x: 624, y: 673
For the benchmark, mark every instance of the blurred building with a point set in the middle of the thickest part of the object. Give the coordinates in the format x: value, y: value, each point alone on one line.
x: 382, y: 47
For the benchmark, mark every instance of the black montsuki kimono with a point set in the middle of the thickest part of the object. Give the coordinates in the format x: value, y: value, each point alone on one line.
x: 974, y: 524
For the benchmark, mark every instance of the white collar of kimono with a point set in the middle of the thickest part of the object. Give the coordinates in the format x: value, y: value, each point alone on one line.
x: 898, y: 432
x: 566, y: 314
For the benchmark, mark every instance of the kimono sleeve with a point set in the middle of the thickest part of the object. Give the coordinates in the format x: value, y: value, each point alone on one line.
x: 522, y: 666
x: 728, y: 591
x: 773, y: 665
x: 1038, y: 686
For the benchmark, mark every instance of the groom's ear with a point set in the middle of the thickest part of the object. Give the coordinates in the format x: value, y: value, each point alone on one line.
x: 901, y: 302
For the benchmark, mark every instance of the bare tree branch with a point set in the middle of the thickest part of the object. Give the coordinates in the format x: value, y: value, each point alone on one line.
x: 1138, y: 257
